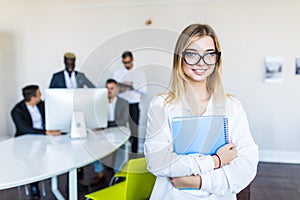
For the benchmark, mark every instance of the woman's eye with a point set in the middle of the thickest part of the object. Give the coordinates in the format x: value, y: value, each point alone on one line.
x: 190, y: 54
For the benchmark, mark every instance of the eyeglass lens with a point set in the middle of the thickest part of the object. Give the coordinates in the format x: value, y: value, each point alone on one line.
x: 192, y: 58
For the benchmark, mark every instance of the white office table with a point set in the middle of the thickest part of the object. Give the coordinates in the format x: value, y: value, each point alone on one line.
x: 31, y: 158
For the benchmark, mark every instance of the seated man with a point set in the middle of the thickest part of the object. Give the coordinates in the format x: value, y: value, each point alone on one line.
x: 118, y: 113
x: 29, y: 118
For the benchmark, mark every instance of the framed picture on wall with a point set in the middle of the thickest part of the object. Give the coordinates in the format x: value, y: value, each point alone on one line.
x: 273, y: 69
x: 297, y: 66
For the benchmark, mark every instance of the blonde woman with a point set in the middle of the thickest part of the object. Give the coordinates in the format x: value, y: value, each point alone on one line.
x: 196, y: 90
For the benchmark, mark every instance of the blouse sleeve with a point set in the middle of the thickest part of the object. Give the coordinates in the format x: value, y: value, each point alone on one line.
x: 161, y: 160
x: 241, y: 171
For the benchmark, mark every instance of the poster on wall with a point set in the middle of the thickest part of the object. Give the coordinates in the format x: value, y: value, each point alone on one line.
x: 297, y: 66
x: 273, y: 69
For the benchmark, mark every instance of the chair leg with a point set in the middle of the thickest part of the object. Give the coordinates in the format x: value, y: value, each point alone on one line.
x: 26, y: 190
x: 43, y: 188
x: 115, y: 180
x: 111, y: 181
x: 19, y: 189
x: 20, y: 193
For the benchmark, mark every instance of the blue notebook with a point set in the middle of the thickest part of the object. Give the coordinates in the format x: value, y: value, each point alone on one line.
x: 201, y: 134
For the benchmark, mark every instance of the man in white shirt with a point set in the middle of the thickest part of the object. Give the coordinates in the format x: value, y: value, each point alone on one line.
x: 132, y: 85
x: 29, y: 114
x: 29, y: 118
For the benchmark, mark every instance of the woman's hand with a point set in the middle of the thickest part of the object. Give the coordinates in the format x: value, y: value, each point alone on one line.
x: 187, y: 182
x: 226, y: 154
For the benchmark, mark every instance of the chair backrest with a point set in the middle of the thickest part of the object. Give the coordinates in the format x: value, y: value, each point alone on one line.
x: 139, y: 181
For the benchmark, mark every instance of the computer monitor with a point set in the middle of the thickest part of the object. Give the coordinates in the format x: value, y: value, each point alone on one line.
x: 61, y: 103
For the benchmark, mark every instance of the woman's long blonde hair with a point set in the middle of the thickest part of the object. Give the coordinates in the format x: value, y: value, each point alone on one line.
x: 214, y: 82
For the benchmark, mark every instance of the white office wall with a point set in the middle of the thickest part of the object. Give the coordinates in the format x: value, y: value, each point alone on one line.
x: 3, y: 120
x: 7, y: 81
x: 37, y: 33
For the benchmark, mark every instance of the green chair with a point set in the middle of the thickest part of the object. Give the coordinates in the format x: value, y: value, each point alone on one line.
x: 137, y: 185
x: 120, y: 175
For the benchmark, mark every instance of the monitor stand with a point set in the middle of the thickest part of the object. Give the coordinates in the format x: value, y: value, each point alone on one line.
x: 78, y: 128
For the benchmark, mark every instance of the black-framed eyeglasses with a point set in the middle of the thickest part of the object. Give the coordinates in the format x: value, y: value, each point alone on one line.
x: 127, y: 62
x: 193, y: 58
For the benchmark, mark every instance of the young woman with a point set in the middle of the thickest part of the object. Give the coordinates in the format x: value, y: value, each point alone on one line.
x: 196, y: 90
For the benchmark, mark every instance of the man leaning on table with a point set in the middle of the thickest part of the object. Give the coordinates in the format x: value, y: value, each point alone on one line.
x: 29, y: 118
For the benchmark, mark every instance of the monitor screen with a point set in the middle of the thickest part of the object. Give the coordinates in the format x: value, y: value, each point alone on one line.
x: 60, y: 104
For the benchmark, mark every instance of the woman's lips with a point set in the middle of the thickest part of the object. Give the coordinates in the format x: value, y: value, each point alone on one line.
x: 199, y: 71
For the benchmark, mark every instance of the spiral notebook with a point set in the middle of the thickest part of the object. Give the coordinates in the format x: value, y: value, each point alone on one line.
x: 199, y: 135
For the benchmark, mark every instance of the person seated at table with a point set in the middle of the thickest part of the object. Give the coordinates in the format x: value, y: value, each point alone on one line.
x: 29, y: 118
x: 118, y: 114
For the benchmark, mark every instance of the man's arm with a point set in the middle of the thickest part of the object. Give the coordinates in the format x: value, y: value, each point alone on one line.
x: 125, y: 86
x: 52, y: 82
x: 122, y: 112
x: 82, y: 81
x: 22, y: 123
x: 58, y: 80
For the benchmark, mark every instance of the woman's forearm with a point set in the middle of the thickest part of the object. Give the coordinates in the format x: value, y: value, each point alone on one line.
x: 187, y: 182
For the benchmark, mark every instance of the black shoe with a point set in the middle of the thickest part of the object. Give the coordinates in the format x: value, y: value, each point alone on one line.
x: 35, y: 192
x: 80, y: 173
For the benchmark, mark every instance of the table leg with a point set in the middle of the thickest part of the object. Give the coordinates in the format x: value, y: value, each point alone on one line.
x: 54, y: 188
x: 73, y: 193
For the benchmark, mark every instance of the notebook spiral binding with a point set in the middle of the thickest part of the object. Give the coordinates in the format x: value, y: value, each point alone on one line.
x: 226, y: 129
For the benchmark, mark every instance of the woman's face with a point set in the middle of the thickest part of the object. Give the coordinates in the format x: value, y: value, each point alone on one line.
x: 194, y: 69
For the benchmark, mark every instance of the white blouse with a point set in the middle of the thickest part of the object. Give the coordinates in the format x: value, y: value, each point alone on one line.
x: 217, y: 184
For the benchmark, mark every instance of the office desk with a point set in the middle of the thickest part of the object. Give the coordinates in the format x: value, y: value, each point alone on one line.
x: 31, y: 158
